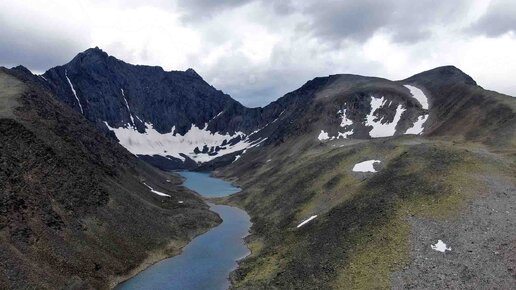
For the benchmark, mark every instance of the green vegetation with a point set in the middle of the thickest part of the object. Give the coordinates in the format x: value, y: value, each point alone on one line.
x: 362, y: 231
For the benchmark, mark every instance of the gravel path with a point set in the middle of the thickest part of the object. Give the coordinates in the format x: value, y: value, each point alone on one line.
x: 482, y: 241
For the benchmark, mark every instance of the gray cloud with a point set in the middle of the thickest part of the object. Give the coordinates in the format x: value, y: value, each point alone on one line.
x: 196, y: 10
x: 37, y: 52
x: 337, y: 20
x: 499, y: 19
x: 38, y: 46
x: 257, y: 84
x: 203, y: 9
x: 408, y: 21
x: 258, y: 50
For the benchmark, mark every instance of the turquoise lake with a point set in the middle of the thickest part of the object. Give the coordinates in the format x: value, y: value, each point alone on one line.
x: 204, y: 184
x: 207, y: 260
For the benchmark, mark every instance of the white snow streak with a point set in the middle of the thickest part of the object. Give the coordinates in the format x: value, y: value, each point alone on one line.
x: 74, y: 92
x: 127, y: 106
x: 306, y: 221
x: 365, y: 166
x: 220, y: 113
x: 417, y: 128
x: 440, y: 246
x: 418, y: 95
x: 155, y: 191
x: 379, y: 129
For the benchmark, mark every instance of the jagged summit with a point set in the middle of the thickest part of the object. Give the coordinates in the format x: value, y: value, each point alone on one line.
x: 95, y: 50
x: 95, y: 56
x: 90, y: 56
x: 21, y: 68
x: 192, y: 72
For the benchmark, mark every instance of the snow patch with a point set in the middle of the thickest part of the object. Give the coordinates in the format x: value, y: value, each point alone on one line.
x: 440, y: 246
x: 379, y: 129
x: 365, y: 166
x: 419, y: 96
x: 151, y: 142
x: 345, y: 135
x: 155, y: 191
x: 344, y: 120
x: 417, y: 128
x: 323, y: 136
x: 74, y: 92
x: 306, y: 221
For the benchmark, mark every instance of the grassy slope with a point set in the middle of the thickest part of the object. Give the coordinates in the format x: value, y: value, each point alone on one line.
x: 361, y: 234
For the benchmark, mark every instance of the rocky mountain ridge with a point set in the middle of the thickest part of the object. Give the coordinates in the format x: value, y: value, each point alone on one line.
x: 177, y: 120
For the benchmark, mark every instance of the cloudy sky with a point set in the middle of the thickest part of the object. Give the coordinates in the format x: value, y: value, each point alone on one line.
x: 257, y: 50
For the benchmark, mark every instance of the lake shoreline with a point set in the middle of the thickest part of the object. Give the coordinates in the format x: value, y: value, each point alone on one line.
x: 224, y: 243
x: 154, y: 258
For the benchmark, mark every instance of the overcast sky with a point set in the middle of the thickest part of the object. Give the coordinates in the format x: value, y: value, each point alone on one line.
x: 257, y: 50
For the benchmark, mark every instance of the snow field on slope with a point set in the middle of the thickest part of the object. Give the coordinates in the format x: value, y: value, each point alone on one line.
x: 173, y: 144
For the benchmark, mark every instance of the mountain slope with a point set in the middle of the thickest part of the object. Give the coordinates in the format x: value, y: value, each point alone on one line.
x: 440, y: 102
x: 351, y: 181
x: 76, y: 210
x: 462, y: 109
x: 177, y: 120
x: 321, y: 223
x: 175, y: 116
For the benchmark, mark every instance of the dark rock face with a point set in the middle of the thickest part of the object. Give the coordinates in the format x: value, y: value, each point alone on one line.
x: 74, y: 212
x: 105, y: 89
x: 121, y: 94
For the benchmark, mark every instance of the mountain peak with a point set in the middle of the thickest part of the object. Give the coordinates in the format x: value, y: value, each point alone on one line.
x: 22, y: 69
x: 95, y: 51
x: 91, y: 55
x: 448, y: 73
x: 193, y: 73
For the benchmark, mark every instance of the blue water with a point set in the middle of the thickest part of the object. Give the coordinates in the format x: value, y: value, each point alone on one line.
x: 206, y: 262
x: 206, y: 185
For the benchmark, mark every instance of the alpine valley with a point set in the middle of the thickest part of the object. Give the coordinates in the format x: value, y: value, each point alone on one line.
x: 351, y: 182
